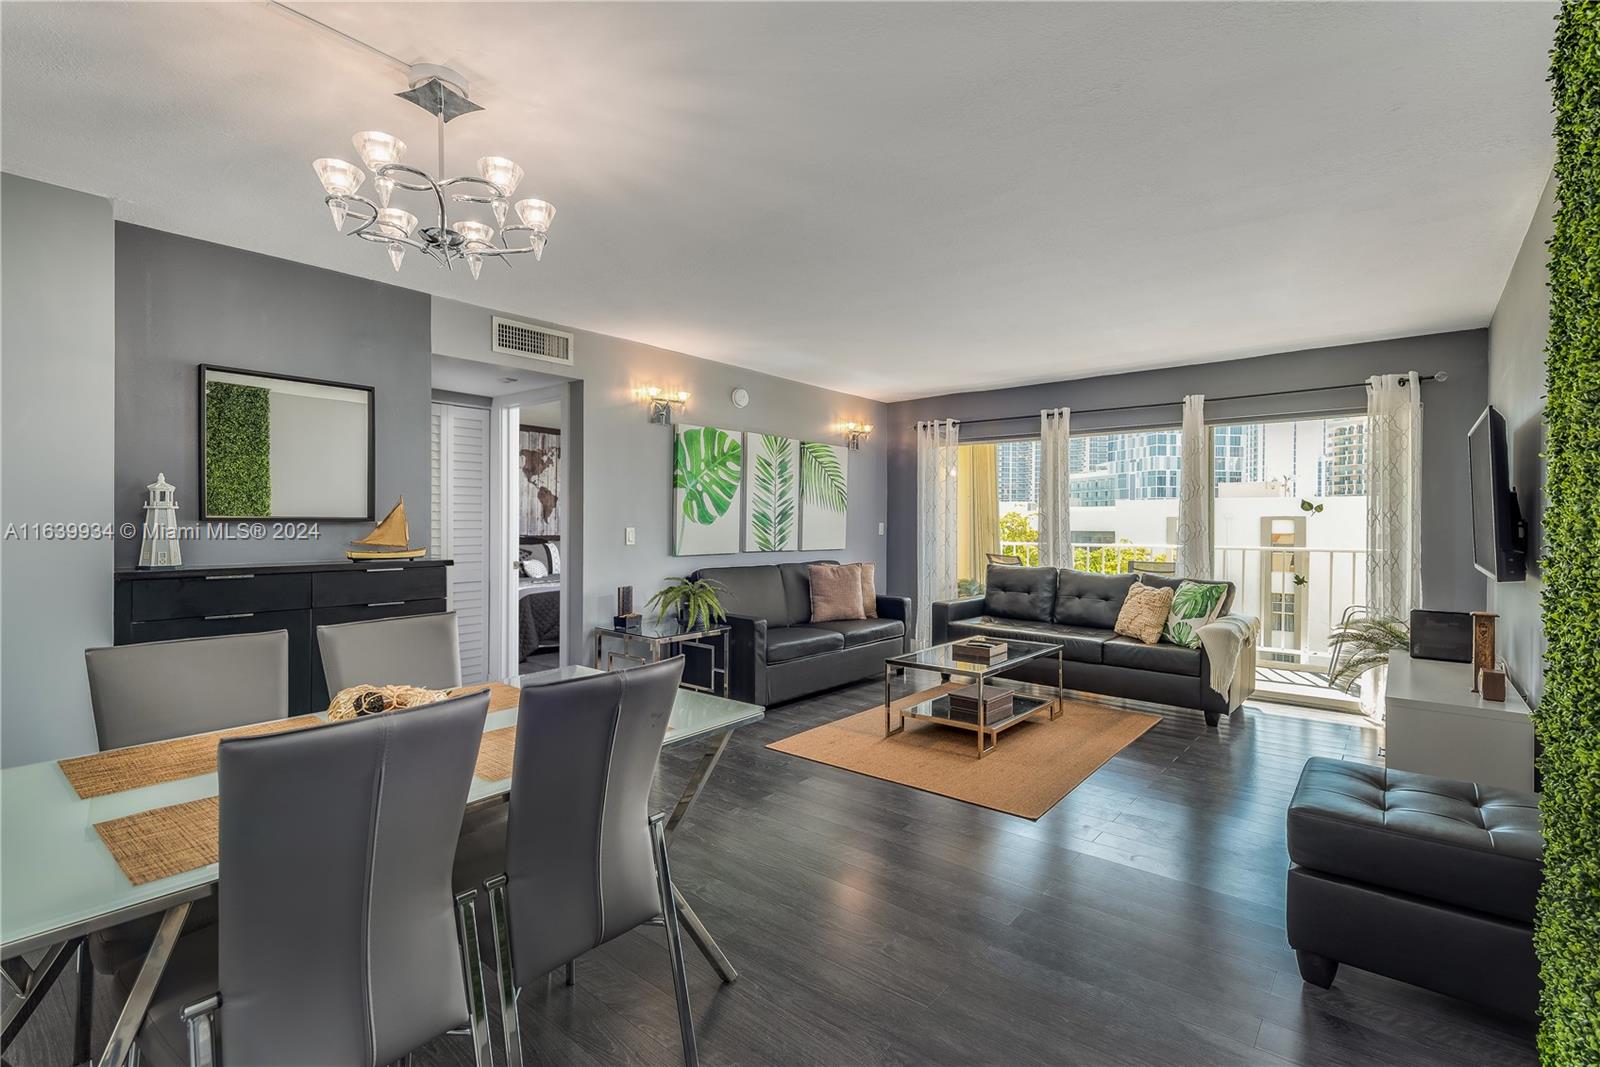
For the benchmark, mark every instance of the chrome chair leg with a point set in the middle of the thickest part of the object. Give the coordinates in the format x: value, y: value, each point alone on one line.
x: 472, y: 977
x: 669, y: 915
x: 199, y: 1020
x: 500, y: 923
x: 134, y: 1057
x: 83, y: 1011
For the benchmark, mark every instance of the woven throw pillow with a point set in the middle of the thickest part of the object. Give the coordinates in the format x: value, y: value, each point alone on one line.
x: 869, y: 589
x: 1144, y: 612
x: 1193, y: 605
x: 835, y: 592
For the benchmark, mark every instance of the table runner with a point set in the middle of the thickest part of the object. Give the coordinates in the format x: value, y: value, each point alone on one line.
x: 162, y: 842
x: 494, y: 754
x: 119, y: 769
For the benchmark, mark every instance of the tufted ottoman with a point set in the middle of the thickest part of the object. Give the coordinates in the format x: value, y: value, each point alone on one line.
x: 1428, y: 880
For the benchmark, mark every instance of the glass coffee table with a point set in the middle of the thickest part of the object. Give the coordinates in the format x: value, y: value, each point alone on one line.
x: 989, y: 680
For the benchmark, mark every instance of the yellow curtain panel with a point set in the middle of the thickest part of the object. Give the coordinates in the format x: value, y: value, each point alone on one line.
x: 978, y: 497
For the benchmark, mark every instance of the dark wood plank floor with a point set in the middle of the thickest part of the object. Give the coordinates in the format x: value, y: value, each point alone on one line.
x: 1139, y: 922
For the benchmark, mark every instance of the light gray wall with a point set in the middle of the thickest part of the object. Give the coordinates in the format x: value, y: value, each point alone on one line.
x: 1449, y: 582
x: 1517, y: 336
x: 624, y: 462
x: 56, y: 383
x: 182, y: 302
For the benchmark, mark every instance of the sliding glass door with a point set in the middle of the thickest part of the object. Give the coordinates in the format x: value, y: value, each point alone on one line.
x: 1289, y: 527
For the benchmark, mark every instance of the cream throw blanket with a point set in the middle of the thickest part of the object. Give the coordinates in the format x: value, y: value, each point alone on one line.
x: 1230, y: 644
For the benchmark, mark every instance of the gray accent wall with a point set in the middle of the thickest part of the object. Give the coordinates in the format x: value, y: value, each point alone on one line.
x: 182, y: 302
x: 1517, y: 336
x: 56, y: 405
x: 624, y: 462
x: 1449, y: 581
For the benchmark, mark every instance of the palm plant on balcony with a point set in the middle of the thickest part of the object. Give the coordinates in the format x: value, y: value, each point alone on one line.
x: 1361, y: 644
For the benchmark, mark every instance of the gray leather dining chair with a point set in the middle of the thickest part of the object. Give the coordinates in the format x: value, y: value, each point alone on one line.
x: 586, y: 748
x: 421, y: 650
x: 164, y: 689
x: 339, y: 940
x: 160, y: 690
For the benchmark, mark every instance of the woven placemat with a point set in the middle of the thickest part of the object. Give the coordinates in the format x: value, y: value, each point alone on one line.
x: 119, y: 769
x: 162, y: 842
x: 502, y: 697
x: 494, y: 754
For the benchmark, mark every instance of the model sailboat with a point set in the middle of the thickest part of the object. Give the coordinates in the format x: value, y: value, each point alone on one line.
x: 390, y: 540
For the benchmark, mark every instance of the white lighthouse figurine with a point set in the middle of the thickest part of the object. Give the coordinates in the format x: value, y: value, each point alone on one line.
x: 160, y: 547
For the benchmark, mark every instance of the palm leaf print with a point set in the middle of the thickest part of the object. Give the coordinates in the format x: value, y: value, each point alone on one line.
x: 707, y: 466
x: 822, y: 477
x: 772, y: 496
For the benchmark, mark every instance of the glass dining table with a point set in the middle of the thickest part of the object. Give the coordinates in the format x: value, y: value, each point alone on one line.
x: 59, y: 882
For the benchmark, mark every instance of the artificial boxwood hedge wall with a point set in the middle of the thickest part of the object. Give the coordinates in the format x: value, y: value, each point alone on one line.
x: 238, y: 450
x: 1567, y: 722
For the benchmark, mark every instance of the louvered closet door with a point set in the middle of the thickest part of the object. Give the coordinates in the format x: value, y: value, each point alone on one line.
x: 461, y: 526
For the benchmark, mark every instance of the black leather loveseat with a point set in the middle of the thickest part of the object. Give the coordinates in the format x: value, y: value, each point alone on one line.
x: 1077, y: 610
x: 777, y: 653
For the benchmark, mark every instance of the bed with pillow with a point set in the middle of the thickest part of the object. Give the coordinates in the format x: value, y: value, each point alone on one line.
x: 539, y: 597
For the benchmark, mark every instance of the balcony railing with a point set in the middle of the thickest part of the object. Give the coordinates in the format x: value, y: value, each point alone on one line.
x: 1300, y: 593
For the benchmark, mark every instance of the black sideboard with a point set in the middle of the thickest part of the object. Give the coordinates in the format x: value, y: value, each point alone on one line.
x: 297, y: 597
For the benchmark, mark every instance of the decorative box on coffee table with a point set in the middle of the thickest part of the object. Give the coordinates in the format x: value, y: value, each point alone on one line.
x: 989, y: 706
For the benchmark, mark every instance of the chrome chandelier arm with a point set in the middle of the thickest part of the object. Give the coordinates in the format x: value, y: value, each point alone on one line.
x: 432, y: 186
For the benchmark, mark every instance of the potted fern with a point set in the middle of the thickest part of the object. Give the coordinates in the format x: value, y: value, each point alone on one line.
x: 1362, y: 645
x: 694, y: 600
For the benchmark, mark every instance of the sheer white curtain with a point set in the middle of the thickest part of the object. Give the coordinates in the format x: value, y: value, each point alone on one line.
x: 936, y: 519
x: 1194, y: 492
x: 1394, y: 497
x: 1055, y: 498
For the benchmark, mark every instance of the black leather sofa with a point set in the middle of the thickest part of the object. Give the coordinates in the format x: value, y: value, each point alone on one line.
x: 1077, y: 610
x: 776, y: 653
x: 1428, y: 880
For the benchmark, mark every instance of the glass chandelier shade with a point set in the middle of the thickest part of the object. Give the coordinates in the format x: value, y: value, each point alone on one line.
x: 377, y: 149
x: 501, y: 173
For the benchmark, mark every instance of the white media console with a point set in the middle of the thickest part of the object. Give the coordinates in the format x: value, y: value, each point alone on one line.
x: 1434, y: 723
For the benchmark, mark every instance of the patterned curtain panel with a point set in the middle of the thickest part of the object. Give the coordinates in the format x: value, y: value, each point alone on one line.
x: 1194, y: 492
x: 1394, y: 498
x: 937, y: 456
x: 1055, y: 521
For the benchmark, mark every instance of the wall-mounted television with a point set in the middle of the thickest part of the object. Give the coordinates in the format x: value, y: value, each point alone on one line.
x: 1499, y: 537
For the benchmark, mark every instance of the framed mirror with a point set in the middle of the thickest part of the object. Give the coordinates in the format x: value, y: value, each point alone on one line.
x: 280, y: 447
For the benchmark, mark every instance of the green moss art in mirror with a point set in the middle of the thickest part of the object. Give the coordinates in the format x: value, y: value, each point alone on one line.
x: 1567, y: 721
x: 238, y: 450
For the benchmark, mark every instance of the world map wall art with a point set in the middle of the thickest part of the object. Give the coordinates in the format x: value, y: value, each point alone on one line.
x: 758, y: 492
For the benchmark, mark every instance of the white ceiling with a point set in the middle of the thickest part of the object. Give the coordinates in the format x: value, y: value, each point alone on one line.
x: 892, y: 200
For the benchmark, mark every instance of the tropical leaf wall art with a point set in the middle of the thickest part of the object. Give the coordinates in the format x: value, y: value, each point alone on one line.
x: 708, y: 486
x: 824, y: 495
x: 772, y: 473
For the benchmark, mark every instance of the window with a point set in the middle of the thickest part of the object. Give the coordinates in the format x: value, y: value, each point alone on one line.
x: 1289, y: 522
x: 1124, y: 491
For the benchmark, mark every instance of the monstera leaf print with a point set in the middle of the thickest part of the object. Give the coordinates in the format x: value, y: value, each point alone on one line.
x: 822, y: 477
x: 773, y: 504
x: 1193, y: 605
x: 707, y: 466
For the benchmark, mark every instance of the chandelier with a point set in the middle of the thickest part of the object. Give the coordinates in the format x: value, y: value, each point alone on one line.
x: 442, y: 93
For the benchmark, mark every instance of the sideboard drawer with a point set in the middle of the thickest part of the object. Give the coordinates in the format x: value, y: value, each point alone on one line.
x: 376, y: 583
x: 197, y: 597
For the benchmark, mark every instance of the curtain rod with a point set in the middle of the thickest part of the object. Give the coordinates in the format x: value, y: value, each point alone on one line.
x: 1440, y: 376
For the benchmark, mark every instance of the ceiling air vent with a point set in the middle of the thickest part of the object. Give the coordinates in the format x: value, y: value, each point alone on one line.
x: 514, y: 338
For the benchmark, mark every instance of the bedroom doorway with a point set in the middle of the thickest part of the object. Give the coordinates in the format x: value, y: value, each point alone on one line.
x: 536, y: 469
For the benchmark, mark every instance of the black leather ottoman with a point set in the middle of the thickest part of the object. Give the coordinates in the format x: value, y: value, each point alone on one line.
x: 1428, y: 880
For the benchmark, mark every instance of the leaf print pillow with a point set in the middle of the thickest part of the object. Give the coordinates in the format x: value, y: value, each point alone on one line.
x: 1193, y: 605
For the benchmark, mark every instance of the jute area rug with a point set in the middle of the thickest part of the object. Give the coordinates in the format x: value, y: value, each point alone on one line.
x: 1035, y: 764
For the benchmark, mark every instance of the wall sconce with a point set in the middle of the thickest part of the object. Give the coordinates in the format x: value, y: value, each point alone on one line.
x: 661, y: 402
x: 855, y: 433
